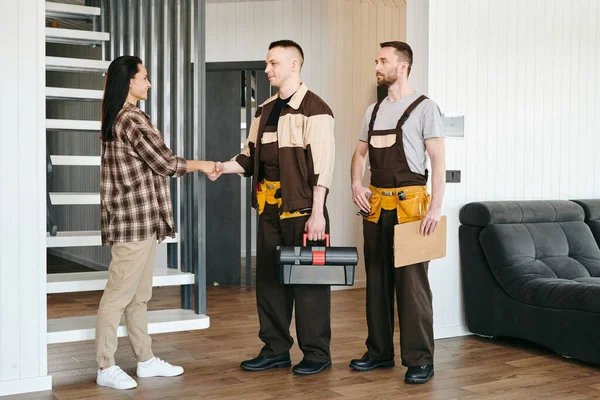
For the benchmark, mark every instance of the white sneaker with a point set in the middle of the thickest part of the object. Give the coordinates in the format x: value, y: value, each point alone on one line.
x: 116, y: 378
x: 157, y: 367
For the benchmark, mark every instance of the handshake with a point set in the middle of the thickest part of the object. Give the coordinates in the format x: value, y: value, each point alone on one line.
x: 216, y: 171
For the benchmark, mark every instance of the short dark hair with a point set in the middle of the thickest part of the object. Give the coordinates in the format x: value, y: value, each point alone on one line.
x: 403, y: 51
x: 288, y: 43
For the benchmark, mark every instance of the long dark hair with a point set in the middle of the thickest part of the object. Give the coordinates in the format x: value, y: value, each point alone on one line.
x: 116, y: 89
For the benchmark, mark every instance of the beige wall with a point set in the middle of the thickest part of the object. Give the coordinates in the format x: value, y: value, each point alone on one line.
x: 340, y: 39
x: 355, y: 29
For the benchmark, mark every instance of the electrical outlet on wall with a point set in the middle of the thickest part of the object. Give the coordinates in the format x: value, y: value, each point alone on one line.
x: 452, y: 176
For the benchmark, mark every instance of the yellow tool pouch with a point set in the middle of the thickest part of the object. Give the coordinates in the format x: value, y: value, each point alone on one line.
x: 266, y: 195
x: 410, y: 202
x: 261, y: 200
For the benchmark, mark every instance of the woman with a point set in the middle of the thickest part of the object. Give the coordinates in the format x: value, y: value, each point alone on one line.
x: 136, y: 212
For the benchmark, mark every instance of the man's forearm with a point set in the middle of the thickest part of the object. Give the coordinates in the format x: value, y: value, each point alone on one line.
x: 318, y: 199
x: 232, y: 167
x: 438, y: 185
x: 357, y: 169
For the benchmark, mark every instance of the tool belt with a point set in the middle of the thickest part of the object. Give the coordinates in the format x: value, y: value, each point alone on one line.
x: 269, y: 192
x: 410, y: 202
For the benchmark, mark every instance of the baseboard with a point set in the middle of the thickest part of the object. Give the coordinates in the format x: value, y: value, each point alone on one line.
x: 450, y: 331
x: 27, y: 385
x: 79, y: 260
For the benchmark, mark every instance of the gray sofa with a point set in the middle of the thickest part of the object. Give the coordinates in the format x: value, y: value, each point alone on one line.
x: 531, y: 270
x: 591, y: 209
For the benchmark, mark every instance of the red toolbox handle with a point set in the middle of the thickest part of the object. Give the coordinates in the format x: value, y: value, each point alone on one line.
x: 305, y: 237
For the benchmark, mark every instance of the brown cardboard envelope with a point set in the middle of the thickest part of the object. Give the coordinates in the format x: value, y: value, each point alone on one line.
x: 410, y: 247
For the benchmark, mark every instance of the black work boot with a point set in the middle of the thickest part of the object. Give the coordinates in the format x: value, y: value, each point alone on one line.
x: 366, y: 363
x: 419, y: 374
x: 262, y: 363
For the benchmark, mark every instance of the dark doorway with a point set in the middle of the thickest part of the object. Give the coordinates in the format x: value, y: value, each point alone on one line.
x: 233, y: 91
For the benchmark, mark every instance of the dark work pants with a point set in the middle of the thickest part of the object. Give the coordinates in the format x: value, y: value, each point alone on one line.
x: 275, y: 301
x: 413, y: 297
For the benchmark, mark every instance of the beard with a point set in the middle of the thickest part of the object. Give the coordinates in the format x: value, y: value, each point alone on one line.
x: 389, y: 79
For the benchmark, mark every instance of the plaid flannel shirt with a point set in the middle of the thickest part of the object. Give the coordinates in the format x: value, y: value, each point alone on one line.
x: 135, y: 200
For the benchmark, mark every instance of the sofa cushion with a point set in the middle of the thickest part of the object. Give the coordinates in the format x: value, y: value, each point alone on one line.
x: 550, y: 264
x: 593, y: 280
x: 514, y: 212
x: 561, y: 294
x: 591, y: 209
x: 592, y: 215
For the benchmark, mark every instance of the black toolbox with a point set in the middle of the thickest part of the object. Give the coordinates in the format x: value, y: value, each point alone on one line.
x: 317, y: 265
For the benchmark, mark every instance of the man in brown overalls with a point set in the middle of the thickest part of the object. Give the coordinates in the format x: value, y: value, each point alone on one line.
x: 290, y: 153
x: 397, y: 134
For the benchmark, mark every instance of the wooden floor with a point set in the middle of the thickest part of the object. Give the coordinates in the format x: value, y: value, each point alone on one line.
x: 466, y: 367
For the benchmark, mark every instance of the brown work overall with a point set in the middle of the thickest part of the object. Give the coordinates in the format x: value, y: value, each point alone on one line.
x: 390, y: 169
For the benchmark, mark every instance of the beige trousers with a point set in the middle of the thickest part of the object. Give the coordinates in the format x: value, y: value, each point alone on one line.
x: 128, y: 290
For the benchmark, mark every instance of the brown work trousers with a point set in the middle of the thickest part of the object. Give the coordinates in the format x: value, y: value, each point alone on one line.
x: 413, y: 297
x: 275, y: 300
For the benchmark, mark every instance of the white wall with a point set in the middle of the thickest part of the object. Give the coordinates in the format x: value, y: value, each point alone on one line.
x: 525, y: 75
x: 417, y: 35
x: 242, y: 31
x: 340, y: 39
x: 23, y: 355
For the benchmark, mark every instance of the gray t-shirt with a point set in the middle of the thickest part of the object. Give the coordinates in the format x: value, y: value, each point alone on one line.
x: 424, y: 122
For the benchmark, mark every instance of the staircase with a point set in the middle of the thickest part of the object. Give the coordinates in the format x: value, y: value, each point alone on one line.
x: 83, y: 328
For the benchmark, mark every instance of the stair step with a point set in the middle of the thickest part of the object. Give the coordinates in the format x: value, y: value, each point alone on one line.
x: 76, y: 160
x: 76, y: 329
x: 83, y: 238
x: 70, y: 11
x: 96, y: 280
x: 75, y: 64
x: 55, y: 93
x: 62, y: 198
x: 72, y: 125
x: 75, y: 36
